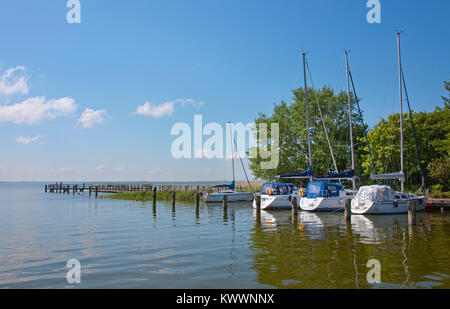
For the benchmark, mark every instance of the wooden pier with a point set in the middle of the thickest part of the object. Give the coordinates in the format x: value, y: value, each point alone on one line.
x: 438, y: 204
x: 117, y: 188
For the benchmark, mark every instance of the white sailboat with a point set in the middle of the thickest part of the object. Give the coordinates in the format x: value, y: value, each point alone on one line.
x: 326, y: 196
x: 232, y: 194
x: 278, y: 195
x: 381, y: 199
x: 378, y: 199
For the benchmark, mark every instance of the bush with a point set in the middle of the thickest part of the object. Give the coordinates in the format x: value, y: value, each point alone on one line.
x: 439, y: 194
x: 144, y: 196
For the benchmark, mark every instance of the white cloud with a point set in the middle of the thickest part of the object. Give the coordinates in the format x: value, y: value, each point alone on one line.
x: 9, y: 84
x: 3, y: 167
x: 36, y: 109
x: 119, y: 169
x: 165, y: 109
x: 156, y: 111
x: 91, y: 117
x: 28, y: 140
x: 100, y: 167
x: 62, y: 170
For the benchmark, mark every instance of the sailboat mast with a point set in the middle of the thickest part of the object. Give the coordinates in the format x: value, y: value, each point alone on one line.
x: 232, y: 149
x: 401, y: 112
x: 350, y: 118
x: 307, y: 111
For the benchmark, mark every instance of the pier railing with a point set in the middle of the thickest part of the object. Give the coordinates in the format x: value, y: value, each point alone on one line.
x: 118, y: 187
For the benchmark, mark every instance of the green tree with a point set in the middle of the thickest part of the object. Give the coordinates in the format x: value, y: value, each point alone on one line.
x: 447, y: 99
x: 293, y: 147
x: 433, y: 134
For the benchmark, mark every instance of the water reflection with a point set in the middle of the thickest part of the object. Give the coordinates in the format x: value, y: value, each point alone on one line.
x: 127, y: 244
x: 325, y: 251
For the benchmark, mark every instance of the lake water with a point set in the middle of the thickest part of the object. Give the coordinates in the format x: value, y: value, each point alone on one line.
x: 126, y: 244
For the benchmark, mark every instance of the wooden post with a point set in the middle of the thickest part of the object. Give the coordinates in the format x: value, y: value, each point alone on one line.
x: 294, y: 206
x: 173, y: 199
x: 348, y: 209
x: 90, y: 191
x: 154, y: 197
x: 96, y: 191
x: 412, y: 212
x: 225, y: 201
x: 197, y: 199
x: 45, y: 188
x: 258, y: 202
x: 197, y: 205
x: 225, y: 207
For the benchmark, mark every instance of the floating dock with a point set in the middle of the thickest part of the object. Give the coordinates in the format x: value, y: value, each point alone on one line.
x: 437, y: 204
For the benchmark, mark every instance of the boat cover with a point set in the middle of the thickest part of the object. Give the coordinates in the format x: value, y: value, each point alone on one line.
x: 398, y: 175
x: 344, y: 175
x: 306, y: 174
x: 231, y: 186
x: 322, y: 189
x: 375, y: 193
x: 278, y: 188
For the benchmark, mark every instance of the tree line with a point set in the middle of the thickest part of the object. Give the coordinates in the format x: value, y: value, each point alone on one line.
x: 432, y: 131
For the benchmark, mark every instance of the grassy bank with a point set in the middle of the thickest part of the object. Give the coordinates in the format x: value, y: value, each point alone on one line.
x: 144, y: 196
x: 439, y: 194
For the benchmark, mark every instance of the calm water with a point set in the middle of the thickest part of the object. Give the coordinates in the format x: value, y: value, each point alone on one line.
x: 125, y: 244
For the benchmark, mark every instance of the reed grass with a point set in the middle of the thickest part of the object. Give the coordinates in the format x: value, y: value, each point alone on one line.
x: 144, y: 196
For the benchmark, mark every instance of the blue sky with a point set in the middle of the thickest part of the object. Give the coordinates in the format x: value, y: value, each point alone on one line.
x: 227, y: 60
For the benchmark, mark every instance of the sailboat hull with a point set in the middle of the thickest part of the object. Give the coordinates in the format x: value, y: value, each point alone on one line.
x: 323, y: 204
x: 275, y: 202
x: 386, y: 207
x: 233, y: 196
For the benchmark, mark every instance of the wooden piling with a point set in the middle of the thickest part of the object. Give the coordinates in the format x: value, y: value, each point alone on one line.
x: 173, y: 198
x: 294, y: 206
x: 258, y: 202
x: 348, y: 209
x: 96, y: 191
x: 154, y: 197
x: 412, y: 212
x: 197, y: 199
x: 225, y: 201
x: 45, y: 188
